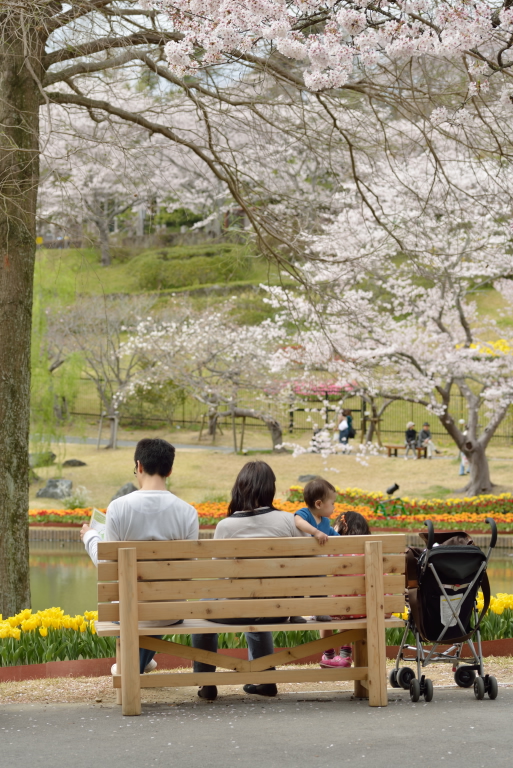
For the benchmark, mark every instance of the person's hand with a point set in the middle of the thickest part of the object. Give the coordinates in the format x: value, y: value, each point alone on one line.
x: 321, y: 537
x: 84, y: 530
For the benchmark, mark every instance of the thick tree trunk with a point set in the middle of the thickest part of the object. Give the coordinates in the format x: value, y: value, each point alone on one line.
x: 21, y: 49
x: 480, y: 481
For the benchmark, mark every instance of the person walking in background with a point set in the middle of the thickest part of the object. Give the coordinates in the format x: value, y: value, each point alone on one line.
x: 345, y: 429
x: 426, y: 441
x: 464, y: 462
x: 410, y: 440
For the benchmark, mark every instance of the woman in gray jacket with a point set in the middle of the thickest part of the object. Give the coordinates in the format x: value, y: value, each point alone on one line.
x: 251, y: 515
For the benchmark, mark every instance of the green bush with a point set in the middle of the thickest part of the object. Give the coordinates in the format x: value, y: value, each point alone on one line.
x: 181, y: 267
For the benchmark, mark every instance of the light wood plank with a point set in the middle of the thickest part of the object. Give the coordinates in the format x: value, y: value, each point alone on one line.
x: 375, y: 625
x: 360, y: 659
x: 200, y: 626
x: 275, y: 547
x: 252, y: 568
x: 195, y: 654
x: 302, y: 651
x: 118, y: 665
x: 127, y: 609
x: 289, y: 675
x: 240, y: 588
x: 221, y: 609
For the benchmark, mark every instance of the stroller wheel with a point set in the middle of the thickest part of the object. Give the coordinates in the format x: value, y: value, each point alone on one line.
x: 493, y: 688
x: 404, y: 677
x: 464, y: 677
x: 479, y: 688
x: 414, y: 690
x: 393, y: 679
x: 428, y: 689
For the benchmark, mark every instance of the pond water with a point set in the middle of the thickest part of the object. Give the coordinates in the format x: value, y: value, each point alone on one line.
x: 62, y: 575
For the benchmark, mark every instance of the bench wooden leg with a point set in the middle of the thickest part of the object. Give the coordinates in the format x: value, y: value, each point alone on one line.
x: 118, y: 665
x: 130, y: 677
x: 376, y: 647
x: 360, y: 660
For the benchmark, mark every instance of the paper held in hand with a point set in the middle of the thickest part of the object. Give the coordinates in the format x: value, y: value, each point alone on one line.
x: 98, y: 520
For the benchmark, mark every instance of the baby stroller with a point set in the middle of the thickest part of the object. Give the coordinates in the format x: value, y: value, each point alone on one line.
x: 442, y: 583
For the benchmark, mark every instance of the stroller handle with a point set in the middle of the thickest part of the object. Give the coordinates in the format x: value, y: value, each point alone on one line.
x: 431, y: 534
x: 491, y: 523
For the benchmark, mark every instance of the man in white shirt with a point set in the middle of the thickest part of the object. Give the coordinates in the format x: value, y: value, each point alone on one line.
x: 151, y: 514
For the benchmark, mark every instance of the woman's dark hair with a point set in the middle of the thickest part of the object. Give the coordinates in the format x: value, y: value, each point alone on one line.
x: 351, y: 524
x: 156, y: 456
x: 254, y: 487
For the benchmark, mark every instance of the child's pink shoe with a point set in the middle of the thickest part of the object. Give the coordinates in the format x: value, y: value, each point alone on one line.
x: 336, y: 661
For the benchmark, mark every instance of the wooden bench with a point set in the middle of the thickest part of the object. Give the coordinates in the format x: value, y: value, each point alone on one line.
x: 392, y: 450
x: 171, y: 579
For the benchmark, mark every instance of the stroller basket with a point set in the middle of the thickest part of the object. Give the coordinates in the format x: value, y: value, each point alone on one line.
x: 442, y: 583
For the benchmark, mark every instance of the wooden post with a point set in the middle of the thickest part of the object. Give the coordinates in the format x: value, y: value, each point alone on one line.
x: 201, y: 428
x: 242, y: 433
x: 128, y: 618
x: 234, y: 430
x: 118, y: 667
x: 360, y: 660
x: 376, y: 648
x: 102, y: 414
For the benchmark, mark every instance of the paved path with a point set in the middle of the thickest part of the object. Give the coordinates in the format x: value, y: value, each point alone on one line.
x: 312, y: 730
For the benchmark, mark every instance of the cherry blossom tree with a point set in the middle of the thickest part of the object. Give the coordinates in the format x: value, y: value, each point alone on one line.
x: 95, y: 331
x: 211, y: 358
x: 396, y: 300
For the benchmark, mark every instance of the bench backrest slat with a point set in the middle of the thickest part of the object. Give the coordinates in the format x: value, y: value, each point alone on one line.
x: 262, y: 548
x: 229, y: 609
x: 158, y: 570
x: 241, y: 588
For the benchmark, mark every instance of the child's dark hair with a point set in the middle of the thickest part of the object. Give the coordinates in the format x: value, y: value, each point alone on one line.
x: 317, y: 489
x: 156, y: 456
x: 351, y: 523
x: 255, y: 486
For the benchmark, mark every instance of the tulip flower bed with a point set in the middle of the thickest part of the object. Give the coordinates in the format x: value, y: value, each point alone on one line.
x: 51, y: 635
x: 449, y: 514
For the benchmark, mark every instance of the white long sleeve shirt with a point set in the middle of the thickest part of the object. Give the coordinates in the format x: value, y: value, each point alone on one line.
x: 146, y: 516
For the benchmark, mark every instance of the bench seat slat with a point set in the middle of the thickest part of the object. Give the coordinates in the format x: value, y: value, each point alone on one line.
x: 239, y: 588
x: 220, y: 609
x: 276, y: 547
x: 202, y: 627
x: 289, y: 675
x: 159, y: 570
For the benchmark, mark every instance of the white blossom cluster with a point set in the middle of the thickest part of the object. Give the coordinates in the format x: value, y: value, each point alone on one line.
x: 346, y: 31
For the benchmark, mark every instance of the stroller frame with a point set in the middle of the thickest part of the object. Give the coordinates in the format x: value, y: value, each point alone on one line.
x: 465, y: 676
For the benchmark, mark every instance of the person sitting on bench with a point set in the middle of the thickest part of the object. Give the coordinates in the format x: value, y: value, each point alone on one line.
x: 151, y: 514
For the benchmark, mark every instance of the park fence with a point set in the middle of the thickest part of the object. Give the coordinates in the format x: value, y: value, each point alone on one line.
x: 301, y: 415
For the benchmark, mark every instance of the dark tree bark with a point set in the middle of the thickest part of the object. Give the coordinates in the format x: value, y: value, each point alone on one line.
x: 272, y: 424
x: 21, y: 51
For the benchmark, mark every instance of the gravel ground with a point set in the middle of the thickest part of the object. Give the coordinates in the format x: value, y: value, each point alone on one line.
x: 90, y: 690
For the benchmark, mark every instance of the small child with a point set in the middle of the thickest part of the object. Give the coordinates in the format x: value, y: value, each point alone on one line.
x: 320, y: 496
x: 347, y: 524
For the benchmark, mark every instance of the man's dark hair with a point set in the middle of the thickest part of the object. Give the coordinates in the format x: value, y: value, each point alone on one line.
x: 156, y: 456
x: 255, y: 486
x: 317, y: 489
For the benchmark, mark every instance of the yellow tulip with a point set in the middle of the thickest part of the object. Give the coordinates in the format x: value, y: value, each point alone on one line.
x: 43, y: 631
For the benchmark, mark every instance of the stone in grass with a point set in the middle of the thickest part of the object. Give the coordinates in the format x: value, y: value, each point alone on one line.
x: 56, y: 488
x: 41, y: 459
x: 306, y: 478
x: 126, y: 488
x: 74, y: 463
